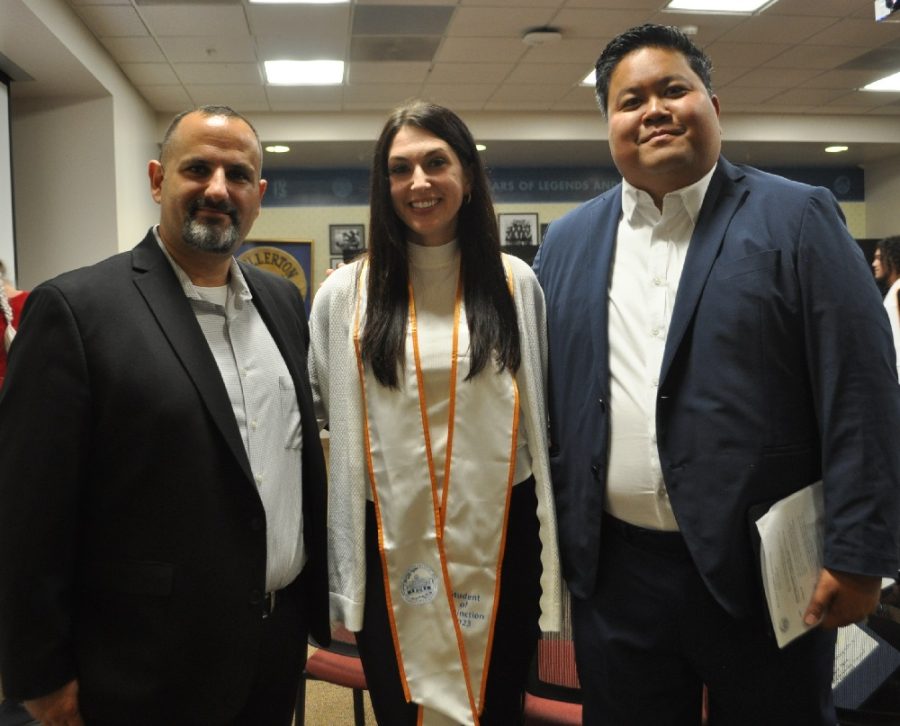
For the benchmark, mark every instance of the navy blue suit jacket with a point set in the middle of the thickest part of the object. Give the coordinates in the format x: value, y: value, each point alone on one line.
x: 778, y: 371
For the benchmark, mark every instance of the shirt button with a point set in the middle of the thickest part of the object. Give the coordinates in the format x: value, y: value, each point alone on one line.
x: 655, y: 382
x: 654, y: 332
x: 254, y: 424
x: 658, y: 281
x: 259, y: 479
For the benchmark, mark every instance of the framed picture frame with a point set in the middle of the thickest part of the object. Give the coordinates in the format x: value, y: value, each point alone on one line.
x: 519, y: 228
x: 291, y: 259
x: 346, y: 238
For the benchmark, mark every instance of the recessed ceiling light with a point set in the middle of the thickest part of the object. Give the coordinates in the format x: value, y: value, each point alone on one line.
x: 718, y: 6
x: 590, y: 79
x: 836, y: 149
x: 480, y: 147
x: 888, y: 83
x: 297, y: 2
x: 278, y: 149
x: 304, y: 73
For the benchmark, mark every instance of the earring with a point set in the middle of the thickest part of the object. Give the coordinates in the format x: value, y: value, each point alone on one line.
x: 468, y: 197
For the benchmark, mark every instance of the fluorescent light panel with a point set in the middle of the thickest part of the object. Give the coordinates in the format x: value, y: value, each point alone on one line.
x: 888, y: 83
x: 298, y: 2
x: 304, y: 73
x: 717, y: 6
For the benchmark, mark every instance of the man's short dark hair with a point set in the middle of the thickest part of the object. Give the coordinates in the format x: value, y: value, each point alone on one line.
x: 208, y: 110
x: 649, y: 36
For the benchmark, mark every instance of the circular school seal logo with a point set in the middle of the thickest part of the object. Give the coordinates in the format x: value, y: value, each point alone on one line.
x: 419, y: 585
x: 278, y: 261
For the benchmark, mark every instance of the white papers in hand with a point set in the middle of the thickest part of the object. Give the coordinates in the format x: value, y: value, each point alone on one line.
x: 791, y: 553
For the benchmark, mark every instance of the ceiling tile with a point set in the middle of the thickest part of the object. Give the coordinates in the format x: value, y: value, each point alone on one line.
x: 396, y: 20
x: 173, y: 99
x: 465, y: 72
x: 497, y: 22
x: 196, y: 20
x: 776, y: 78
x: 112, y: 20
x: 387, y: 72
x: 133, y: 50
x: 814, y: 56
x: 743, y: 55
x: 244, y: 99
x: 299, y: 22
x: 389, y: 94
x: 537, y: 93
x: 806, y: 96
x: 864, y: 33
x: 848, y: 80
x: 150, y: 74
x: 584, y: 23
x: 776, y: 29
x: 568, y: 51
x: 224, y: 49
x: 399, y: 48
x: 210, y: 73
x: 450, y: 94
x: 495, y: 50
x: 567, y: 74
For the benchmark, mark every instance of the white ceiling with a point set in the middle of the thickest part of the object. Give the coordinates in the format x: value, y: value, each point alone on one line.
x: 795, y: 59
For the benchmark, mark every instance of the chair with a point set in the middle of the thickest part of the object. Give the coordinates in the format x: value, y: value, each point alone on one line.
x: 553, y: 692
x: 339, y: 664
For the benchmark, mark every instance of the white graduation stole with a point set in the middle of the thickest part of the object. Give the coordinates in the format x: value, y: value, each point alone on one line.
x: 441, y: 551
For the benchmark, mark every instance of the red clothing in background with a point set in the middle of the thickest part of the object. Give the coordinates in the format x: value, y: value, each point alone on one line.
x: 16, y: 302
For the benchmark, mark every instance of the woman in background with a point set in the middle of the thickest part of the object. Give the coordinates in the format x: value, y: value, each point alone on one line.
x: 428, y: 361
x: 11, y: 303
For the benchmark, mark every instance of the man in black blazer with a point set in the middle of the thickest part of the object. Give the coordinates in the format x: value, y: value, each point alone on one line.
x: 162, y: 506
x: 716, y: 343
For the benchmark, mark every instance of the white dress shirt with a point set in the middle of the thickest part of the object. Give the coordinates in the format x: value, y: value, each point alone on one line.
x: 265, y: 407
x: 651, y: 246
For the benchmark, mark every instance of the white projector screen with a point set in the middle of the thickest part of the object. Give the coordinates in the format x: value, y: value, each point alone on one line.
x: 7, y: 243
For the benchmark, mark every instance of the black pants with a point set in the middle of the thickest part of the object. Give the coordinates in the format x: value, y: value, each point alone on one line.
x: 652, y: 635
x: 515, y: 629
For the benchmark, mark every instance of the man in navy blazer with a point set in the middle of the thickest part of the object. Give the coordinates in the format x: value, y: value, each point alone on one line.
x: 162, y: 505
x: 716, y: 344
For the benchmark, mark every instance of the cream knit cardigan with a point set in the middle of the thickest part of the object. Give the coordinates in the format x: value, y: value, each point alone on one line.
x: 337, y: 396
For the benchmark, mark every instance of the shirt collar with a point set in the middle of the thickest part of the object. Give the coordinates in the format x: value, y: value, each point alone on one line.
x: 637, y: 201
x: 237, y: 283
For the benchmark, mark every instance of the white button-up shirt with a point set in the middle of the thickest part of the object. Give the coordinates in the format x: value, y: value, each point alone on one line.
x: 651, y: 246
x: 265, y: 407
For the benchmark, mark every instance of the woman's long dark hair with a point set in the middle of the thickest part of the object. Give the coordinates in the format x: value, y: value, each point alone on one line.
x: 490, y: 310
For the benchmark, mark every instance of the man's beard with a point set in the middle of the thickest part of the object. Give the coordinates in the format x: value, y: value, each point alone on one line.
x: 208, y: 237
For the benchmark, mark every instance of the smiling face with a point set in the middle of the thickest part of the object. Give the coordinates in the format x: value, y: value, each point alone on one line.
x: 664, y: 131
x: 428, y: 183
x: 208, y: 185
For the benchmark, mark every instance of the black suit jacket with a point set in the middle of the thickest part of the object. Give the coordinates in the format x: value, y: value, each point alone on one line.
x: 778, y: 370
x: 132, y: 537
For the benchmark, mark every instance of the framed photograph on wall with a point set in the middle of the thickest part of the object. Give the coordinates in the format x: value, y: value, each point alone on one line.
x: 346, y: 238
x: 291, y: 259
x: 519, y: 229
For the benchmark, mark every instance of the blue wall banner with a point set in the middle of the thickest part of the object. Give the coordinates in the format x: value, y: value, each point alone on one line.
x: 546, y: 185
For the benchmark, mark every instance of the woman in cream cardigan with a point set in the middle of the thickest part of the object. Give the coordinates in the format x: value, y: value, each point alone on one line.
x: 428, y: 360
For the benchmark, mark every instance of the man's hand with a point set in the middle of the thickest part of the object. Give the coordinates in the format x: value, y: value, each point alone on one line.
x: 841, y: 599
x: 59, y: 708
